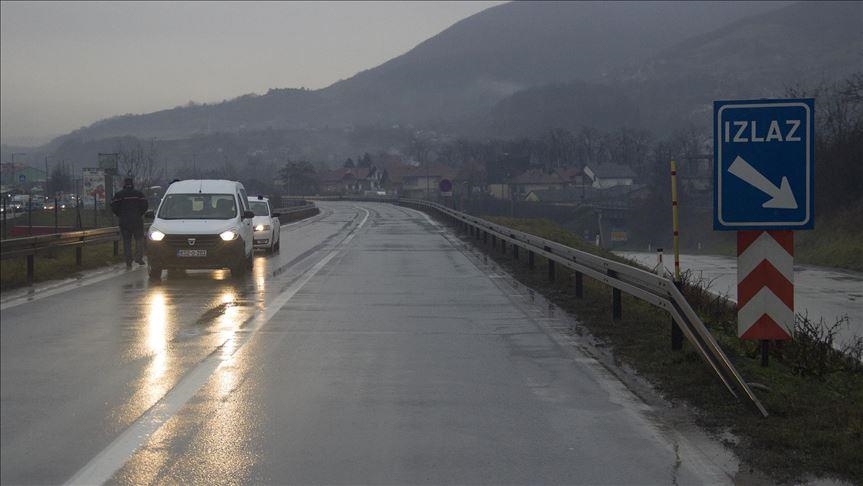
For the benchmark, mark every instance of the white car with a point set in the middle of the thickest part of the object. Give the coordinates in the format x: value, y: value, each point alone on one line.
x: 266, y: 224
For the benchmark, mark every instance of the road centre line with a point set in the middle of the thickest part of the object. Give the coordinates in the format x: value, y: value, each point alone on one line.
x: 106, y: 463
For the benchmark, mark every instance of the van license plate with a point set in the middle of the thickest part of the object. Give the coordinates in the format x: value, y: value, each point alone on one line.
x: 191, y: 253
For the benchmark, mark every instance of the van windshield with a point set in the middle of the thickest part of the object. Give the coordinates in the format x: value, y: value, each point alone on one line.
x: 198, y: 206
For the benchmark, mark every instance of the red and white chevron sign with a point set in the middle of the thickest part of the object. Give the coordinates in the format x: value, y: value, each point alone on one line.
x: 765, y: 284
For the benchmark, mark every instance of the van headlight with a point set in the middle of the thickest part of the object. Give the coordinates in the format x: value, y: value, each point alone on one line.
x: 262, y: 227
x: 228, y: 235
x: 157, y: 235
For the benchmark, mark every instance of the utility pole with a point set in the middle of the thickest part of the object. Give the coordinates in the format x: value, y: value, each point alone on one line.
x: 47, y: 175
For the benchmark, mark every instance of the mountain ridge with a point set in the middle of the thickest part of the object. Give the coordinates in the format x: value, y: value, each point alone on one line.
x: 463, y: 70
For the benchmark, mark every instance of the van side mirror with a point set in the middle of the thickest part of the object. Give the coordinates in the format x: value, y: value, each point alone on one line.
x: 275, y: 215
x: 149, y: 214
x: 248, y: 214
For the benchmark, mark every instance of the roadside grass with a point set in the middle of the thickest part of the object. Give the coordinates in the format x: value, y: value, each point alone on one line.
x: 814, y: 394
x: 58, y: 264
x: 837, y: 242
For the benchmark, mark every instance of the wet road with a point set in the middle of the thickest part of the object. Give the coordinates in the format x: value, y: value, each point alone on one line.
x: 819, y: 292
x: 372, y: 349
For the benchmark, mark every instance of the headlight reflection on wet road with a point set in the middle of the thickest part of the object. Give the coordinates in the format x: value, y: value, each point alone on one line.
x: 228, y: 323
x: 157, y: 340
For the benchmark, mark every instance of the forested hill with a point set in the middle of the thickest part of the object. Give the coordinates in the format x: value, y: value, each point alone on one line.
x: 799, y: 46
x: 462, y: 71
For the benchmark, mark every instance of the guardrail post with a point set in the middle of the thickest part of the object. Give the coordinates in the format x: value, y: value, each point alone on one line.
x: 676, y: 333
x: 30, y: 215
x: 116, y: 247
x: 579, y: 285
x: 616, y: 308
x: 503, y: 246
x: 550, y: 266
x: 5, y: 210
x: 515, y: 251
x: 530, y: 258
x: 485, y: 237
x: 30, y: 268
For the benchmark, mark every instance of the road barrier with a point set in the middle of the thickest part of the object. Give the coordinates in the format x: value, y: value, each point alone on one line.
x: 295, y: 213
x: 29, y: 247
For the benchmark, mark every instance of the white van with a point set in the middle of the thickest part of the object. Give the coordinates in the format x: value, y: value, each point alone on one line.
x: 201, y: 224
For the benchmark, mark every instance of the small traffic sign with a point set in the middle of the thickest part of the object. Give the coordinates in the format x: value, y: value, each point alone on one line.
x: 763, y: 164
x: 445, y: 187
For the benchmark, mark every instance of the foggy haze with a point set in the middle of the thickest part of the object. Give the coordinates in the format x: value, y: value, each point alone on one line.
x: 68, y: 64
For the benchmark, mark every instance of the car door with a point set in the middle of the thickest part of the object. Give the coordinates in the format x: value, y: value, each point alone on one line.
x: 246, y: 225
x: 275, y: 224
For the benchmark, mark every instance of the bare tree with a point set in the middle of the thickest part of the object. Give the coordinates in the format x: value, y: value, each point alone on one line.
x: 138, y: 162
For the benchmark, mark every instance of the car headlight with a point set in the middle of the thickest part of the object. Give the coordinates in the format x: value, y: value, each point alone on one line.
x: 228, y: 235
x: 262, y: 227
x: 157, y: 235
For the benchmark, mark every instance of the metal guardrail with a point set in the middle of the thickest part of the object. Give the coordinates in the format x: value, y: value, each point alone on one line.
x: 294, y: 213
x: 646, y: 286
x: 30, y: 246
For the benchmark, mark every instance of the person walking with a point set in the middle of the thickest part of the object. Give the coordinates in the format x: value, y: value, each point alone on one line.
x: 130, y: 205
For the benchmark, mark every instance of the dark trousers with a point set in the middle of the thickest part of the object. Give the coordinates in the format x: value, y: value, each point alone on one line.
x: 128, y: 232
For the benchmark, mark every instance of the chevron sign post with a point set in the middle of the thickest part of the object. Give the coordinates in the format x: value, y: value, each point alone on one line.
x: 765, y: 285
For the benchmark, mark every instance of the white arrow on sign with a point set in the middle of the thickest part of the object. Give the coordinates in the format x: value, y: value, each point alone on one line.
x: 781, y: 197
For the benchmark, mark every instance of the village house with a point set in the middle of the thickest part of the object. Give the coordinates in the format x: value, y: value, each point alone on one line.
x: 609, y: 175
x: 352, y: 180
x: 411, y: 181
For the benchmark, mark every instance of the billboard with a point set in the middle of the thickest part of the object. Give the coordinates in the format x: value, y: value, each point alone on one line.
x: 94, y: 182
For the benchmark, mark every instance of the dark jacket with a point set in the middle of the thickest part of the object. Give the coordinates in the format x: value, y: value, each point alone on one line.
x: 129, y: 205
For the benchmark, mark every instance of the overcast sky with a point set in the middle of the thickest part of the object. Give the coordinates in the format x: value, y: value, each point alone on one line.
x: 67, y: 64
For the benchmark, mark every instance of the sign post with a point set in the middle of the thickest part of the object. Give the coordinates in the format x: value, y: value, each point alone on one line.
x: 108, y: 163
x: 445, y: 187
x: 763, y: 188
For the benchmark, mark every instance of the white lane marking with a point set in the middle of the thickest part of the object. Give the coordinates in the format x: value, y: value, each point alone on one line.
x: 105, y: 464
x: 426, y: 216
x: 65, y: 286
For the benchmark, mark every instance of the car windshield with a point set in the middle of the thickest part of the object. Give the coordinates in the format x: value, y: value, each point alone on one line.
x: 260, y: 208
x: 198, y: 206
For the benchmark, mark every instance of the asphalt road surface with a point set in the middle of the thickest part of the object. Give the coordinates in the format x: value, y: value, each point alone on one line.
x: 370, y: 350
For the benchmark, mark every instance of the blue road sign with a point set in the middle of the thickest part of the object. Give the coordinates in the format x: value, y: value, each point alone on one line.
x: 763, y: 168
x: 22, y: 178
